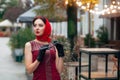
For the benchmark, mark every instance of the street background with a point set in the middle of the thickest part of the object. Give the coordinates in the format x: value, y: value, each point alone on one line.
x: 12, y: 70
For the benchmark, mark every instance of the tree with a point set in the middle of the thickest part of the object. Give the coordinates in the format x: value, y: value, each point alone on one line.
x: 14, y: 9
x: 54, y: 10
x: 12, y: 3
x: 12, y: 13
x: 4, y: 5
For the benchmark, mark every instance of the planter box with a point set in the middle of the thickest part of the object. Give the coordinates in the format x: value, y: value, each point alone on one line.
x: 18, y: 54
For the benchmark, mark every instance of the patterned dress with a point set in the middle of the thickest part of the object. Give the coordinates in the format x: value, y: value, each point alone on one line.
x: 47, y: 68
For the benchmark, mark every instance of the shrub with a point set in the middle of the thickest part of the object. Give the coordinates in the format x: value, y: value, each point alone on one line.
x: 86, y: 40
x: 102, y: 34
x: 19, y: 39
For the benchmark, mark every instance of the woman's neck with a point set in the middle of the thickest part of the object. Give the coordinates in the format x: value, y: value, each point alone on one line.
x: 42, y: 42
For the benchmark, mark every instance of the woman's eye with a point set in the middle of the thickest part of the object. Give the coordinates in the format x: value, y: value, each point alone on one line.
x: 41, y: 25
x: 34, y: 25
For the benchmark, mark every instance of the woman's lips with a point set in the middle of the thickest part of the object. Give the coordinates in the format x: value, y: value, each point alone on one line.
x: 37, y: 32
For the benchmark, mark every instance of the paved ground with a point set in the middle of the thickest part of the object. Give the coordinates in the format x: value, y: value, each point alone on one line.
x: 9, y: 69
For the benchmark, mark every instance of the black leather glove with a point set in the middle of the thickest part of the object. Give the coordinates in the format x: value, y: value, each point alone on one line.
x: 60, y: 49
x: 42, y: 52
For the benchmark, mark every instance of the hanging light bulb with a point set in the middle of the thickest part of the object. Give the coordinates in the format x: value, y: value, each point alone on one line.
x: 66, y: 2
x: 86, y: 5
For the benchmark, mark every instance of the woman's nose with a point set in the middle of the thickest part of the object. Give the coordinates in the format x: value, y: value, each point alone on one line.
x: 37, y: 26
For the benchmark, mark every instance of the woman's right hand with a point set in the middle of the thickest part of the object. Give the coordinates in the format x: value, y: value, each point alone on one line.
x: 42, y: 52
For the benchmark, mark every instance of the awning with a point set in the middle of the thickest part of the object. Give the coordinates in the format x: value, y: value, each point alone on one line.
x: 28, y: 16
x: 112, y: 15
x: 6, y: 23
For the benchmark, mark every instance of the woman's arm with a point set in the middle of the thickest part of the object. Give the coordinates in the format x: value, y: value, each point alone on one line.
x: 59, y: 62
x: 30, y: 66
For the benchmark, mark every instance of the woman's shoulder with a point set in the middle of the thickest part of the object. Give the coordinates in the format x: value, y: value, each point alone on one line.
x: 29, y: 43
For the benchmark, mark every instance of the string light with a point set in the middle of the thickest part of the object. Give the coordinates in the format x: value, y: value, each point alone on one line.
x: 112, y: 10
x: 84, y: 4
x: 92, y: 6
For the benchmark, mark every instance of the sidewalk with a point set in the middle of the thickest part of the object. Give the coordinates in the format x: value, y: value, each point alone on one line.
x: 9, y: 69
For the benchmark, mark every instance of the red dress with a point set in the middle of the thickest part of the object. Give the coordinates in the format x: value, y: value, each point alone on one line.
x: 47, y: 68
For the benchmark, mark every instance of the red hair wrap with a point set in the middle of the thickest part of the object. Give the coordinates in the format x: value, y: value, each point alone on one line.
x: 46, y: 33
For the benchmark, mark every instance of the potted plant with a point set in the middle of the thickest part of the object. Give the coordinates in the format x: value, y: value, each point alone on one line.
x: 102, y: 35
x: 88, y: 38
x: 18, y: 40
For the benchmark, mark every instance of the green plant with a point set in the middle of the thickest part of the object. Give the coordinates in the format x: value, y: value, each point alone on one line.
x: 19, y: 39
x: 88, y: 38
x: 102, y: 34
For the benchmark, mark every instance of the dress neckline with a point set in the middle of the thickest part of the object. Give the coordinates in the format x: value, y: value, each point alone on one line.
x: 43, y: 43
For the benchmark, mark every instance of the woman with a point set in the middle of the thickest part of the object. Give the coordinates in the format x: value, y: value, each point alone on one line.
x: 42, y: 58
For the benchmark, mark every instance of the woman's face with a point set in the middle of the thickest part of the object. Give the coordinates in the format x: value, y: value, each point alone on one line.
x: 38, y: 27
